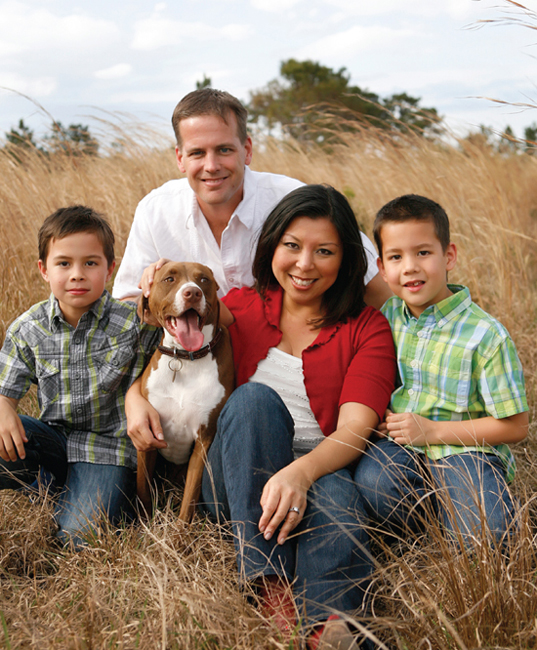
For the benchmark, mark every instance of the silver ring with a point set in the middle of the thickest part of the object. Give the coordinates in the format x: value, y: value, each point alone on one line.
x: 294, y: 509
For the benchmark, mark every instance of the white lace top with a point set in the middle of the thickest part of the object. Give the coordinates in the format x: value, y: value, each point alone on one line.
x: 284, y: 373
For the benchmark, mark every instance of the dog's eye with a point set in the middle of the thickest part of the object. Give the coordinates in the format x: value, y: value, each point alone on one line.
x: 170, y: 278
x: 204, y: 279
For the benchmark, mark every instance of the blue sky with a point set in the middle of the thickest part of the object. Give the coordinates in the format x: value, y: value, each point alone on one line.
x: 79, y: 60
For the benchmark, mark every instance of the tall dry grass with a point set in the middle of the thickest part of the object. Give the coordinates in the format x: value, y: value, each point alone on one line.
x: 167, y: 585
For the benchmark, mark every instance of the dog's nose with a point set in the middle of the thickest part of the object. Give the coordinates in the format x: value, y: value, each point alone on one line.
x: 192, y: 293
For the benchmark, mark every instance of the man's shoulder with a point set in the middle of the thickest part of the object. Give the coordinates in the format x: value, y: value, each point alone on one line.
x: 177, y: 189
x: 270, y: 180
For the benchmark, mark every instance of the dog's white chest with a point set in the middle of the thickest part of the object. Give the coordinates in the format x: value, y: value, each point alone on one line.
x: 185, y: 403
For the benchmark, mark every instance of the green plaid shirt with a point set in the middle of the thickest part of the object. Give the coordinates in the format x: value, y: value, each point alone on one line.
x: 455, y: 362
x: 82, y: 374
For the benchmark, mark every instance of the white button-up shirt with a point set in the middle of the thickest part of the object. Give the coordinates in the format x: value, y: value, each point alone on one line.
x: 169, y: 223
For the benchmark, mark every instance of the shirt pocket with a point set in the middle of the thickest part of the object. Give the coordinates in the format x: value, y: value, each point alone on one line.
x: 450, y: 379
x: 114, y: 365
x: 48, y: 380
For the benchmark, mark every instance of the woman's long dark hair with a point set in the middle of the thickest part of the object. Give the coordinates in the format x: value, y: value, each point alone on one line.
x: 345, y: 298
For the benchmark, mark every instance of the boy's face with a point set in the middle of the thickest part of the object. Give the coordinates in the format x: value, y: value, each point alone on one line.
x: 414, y: 264
x: 77, y: 270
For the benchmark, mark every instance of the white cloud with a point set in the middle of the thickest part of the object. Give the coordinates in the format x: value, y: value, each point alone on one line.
x: 27, y: 29
x: 458, y: 9
x: 345, y: 44
x: 114, y: 72
x: 274, y: 5
x: 155, y: 32
x: 33, y: 87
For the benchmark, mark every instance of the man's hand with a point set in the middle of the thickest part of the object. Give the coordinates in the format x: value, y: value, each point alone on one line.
x: 12, y: 434
x: 407, y: 428
x: 143, y: 421
x: 287, y: 489
x: 149, y: 275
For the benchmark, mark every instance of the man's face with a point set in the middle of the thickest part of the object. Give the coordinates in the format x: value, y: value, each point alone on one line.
x: 213, y: 159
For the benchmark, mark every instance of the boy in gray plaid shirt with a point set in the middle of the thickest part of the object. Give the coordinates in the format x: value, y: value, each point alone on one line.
x: 83, y: 349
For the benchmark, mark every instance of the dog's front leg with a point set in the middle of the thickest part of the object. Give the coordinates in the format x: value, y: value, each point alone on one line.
x: 194, y: 475
x: 144, y: 480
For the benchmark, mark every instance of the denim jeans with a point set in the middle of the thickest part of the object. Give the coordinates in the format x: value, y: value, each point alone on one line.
x: 327, y: 555
x: 88, y: 489
x: 402, y: 489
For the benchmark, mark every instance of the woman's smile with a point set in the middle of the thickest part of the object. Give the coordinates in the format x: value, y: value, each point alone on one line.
x: 307, y: 260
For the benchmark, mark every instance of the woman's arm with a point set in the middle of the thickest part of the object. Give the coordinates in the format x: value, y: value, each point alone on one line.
x: 413, y: 429
x: 289, y: 487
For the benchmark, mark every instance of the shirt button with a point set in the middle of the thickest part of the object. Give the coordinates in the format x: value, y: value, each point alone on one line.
x: 411, y: 391
x: 231, y: 280
x: 420, y: 334
x: 414, y: 363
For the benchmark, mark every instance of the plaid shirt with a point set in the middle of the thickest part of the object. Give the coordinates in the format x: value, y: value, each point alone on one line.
x: 82, y: 374
x: 455, y: 362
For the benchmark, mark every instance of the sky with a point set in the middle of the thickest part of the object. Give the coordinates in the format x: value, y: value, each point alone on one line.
x: 109, y: 59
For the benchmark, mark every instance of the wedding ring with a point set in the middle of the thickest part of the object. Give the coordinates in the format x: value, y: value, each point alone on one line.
x: 294, y: 509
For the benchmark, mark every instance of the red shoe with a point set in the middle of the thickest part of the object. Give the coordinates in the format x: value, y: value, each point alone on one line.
x: 276, y: 600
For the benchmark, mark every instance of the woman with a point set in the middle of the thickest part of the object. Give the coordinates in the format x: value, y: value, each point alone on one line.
x: 315, y: 370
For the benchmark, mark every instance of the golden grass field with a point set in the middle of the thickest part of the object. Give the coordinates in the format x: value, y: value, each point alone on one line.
x: 169, y: 585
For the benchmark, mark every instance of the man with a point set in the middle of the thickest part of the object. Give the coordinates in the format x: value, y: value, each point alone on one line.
x: 212, y: 216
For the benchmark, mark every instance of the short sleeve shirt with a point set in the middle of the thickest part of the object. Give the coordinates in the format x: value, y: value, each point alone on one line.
x: 82, y: 374
x: 455, y: 362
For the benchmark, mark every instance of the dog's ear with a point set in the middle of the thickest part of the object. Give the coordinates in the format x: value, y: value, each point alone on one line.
x: 143, y: 305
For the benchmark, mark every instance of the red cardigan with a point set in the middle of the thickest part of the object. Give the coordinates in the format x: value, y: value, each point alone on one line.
x: 347, y: 362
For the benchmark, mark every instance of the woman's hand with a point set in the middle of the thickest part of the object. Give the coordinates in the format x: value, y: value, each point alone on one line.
x: 287, y: 489
x: 143, y: 421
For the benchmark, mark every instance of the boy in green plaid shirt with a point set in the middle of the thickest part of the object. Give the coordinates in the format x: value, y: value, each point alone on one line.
x: 461, y: 395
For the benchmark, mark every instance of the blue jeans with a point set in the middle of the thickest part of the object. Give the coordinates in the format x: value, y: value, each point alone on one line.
x: 328, y: 553
x: 402, y: 489
x: 88, y: 489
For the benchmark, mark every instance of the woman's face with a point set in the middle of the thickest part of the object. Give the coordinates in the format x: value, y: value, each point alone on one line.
x: 307, y: 259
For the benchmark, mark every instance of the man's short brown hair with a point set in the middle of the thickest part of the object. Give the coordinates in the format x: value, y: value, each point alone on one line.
x: 209, y: 101
x: 72, y: 220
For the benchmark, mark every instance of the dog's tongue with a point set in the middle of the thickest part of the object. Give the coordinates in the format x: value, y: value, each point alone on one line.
x: 187, y: 331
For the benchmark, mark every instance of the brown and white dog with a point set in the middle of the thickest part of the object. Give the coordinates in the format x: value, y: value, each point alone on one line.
x: 190, y: 376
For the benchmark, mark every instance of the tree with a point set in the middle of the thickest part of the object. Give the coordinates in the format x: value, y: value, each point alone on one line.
x: 75, y: 140
x: 22, y: 137
x: 204, y: 83
x: 309, y: 91
x: 312, y: 100
x: 530, y: 136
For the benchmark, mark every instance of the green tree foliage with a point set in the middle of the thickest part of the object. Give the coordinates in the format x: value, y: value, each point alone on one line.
x: 22, y: 136
x: 75, y: 140
x: 311, y: 99
x: 204, y: 83
x: 530, y: 136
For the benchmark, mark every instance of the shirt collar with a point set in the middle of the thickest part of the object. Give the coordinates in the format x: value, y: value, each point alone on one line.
x: 245, y: 211
x: 96, y: 311
x: 273, y: 308
x: 446, y: 309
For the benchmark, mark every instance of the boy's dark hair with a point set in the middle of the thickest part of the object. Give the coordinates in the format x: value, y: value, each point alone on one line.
x: 413, y: 207
x: 209, y: 101
x: 71, y: 220
x: 345, y: 298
